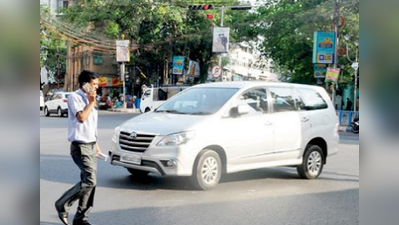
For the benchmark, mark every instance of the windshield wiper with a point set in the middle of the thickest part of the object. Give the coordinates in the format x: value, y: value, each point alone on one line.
x: 200, y: 113
x: 169, y: 111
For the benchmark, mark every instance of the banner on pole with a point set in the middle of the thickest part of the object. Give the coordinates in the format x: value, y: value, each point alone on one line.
x: 122, y: 51
x: 324, y: 47
x: 320, y: 70
x: 221, y: 37
x: 194, y: 69
x: 178, y: 65
x: 332, y: 74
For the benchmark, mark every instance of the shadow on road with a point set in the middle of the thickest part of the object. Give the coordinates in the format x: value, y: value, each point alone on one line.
x: 61, y: 169
x: 301, y: 209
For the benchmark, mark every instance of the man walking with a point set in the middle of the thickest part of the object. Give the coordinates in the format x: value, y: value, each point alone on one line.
x: 83, y: 135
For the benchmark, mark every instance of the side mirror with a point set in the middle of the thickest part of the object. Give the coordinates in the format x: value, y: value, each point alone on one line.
x: 239, y: 110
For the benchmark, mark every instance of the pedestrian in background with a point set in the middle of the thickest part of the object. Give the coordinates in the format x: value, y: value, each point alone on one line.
x: 348, y: 104
x: 83, y: 135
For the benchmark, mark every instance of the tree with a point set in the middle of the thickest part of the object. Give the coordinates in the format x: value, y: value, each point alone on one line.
x: 286, y: 28
x: 158, y: 29
x: 52, y: 50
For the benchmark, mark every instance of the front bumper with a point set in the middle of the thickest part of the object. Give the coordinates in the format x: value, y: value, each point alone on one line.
x: 155, y: 159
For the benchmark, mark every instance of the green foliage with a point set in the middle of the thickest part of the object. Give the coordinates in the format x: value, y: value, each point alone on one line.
x: 287, y: 28
x: 52, y: 49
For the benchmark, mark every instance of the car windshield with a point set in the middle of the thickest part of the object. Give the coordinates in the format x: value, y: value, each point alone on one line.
x: 198, y: 101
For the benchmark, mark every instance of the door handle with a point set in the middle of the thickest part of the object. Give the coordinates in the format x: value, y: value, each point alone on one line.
x: 304, y: 119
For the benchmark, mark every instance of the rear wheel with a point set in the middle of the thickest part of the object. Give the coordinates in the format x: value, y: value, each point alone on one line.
x: 147, y: 110
x: 312, y: 164
x: 138, y: 173
x: 46, y: 112
x: 207, y: 170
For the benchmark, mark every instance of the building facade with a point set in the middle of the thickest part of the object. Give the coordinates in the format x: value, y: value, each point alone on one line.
x: 246, y: 64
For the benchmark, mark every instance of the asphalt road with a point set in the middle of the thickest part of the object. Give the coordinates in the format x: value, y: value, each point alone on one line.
x: 266, y: 196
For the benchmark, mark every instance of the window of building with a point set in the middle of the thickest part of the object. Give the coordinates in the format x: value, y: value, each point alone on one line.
x: 97, y: 58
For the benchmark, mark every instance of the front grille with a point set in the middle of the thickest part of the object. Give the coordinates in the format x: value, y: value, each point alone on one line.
x: 138, y: 144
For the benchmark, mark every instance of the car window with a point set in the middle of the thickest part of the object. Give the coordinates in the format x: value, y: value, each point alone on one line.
x: 257, y: 101
x: 283, y: 99
x: 312, y: 99
x: 198, y: 101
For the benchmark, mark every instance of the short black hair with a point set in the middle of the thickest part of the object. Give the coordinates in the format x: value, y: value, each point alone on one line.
x: 86, y: 76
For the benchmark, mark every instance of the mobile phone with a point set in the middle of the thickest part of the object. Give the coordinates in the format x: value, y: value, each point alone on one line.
x: 87, y: 87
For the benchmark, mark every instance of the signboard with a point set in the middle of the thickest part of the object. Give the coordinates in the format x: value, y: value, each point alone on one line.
x: 332, y: 74
x: 216, y: 71
x: 320, y: 70
x: 122, y: 51
x: 221, y: 37
x: 324, y: 47
x: 178, y: 65
x: 194, y: 69
x: 109, y: 82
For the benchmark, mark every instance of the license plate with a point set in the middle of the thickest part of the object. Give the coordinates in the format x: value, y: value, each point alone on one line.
x: 131, y: 159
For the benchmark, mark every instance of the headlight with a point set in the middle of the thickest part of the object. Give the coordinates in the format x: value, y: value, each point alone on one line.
x: 176, y: 139
x: 116, y: 134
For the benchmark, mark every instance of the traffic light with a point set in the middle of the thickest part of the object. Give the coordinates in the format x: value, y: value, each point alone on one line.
x: 200, y: 7
x: 241, y: 7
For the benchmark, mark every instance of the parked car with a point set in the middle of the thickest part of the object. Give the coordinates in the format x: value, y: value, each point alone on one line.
x: 41, y: 100
x: 57, y: 104
x: 217, y: 128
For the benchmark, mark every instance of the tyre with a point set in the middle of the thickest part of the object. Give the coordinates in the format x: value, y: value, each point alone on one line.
x: 147, y: 110
x: 207, y: 170
x: 138, y: 173
x: 59, y: 112
x: 312, y: 164
x: 46, y: 112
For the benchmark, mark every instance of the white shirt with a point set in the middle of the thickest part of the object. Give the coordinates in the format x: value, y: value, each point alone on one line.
x: 85, y: 132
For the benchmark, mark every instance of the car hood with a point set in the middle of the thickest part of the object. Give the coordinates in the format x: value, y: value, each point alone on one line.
x: 162, y: 123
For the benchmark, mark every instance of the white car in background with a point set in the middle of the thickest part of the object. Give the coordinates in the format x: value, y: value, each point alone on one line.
x: 41, y: 101
x: 58, y: 104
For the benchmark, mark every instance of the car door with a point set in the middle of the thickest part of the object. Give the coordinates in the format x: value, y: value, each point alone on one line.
x: 286, y: 123
x: 249, y: 140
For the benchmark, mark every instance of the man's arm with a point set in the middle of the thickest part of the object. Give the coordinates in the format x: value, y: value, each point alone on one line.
x: 82, y: 115
x: 98, y: 149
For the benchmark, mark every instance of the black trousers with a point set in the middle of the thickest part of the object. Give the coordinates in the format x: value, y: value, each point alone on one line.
x: 85, y: 157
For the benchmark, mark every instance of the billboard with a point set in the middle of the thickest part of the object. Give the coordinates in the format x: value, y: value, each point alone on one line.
x: 122, y: 51
x: 324, y: 47
x: 178, y: 65
x: 221, y: 38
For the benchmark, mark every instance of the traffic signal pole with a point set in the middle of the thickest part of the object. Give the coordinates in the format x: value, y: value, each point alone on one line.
x: 220, y: 55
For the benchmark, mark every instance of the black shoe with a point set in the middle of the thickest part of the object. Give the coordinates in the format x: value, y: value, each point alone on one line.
x: 63, y: 216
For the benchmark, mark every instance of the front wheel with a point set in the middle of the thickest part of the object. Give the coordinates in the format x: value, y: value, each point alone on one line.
x: 59, y: 112
x: 207, y: 170
x: 46, y: 112
x: 312, y: 164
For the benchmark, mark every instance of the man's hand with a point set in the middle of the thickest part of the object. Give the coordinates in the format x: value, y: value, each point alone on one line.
x: 92, y: 96
x: 98, y: 150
